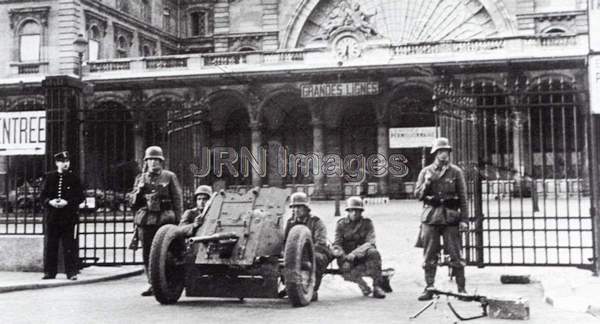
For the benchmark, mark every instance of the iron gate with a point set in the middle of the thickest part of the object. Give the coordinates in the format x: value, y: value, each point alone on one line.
x: 524, y: 146
x: 113, y: 139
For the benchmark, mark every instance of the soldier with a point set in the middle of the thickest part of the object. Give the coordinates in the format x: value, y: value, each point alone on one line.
x: 355, y: 250
x: 192, y: 218
x: 301, y: 215
x: 442, y: 188
x: 61, y: 195
x: 158, y: 199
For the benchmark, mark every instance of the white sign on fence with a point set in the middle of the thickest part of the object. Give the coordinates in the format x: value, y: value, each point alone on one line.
x: 594, y: 81
x: 23, y: 133
x: 594, y: 28
x: 404, y: 137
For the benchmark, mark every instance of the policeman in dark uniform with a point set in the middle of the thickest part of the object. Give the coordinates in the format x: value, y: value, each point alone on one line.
x: 301, y: 215
x: 158, y: 200
x: 442, y: 188
x: 355, y: 250
x: 192, y: 218
x: 61, y: 195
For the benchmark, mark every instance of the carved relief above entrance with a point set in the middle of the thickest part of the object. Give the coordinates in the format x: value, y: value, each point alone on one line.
x: 400, y: 22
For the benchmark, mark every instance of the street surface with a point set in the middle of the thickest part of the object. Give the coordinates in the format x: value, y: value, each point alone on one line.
x: 339, y: 301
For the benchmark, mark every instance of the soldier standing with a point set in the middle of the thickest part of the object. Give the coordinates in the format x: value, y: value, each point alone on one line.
x: 301, y: 215
x: 158, y: 198
x: 61, y: 195
x: 355, y: 250
x: 442, y: 188
x: 192, y: 218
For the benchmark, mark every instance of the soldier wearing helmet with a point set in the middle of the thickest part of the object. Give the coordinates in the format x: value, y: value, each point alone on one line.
x: 193, y: 218
x: 442, y: 188
x: 158, y: 200
x: 301, y: 215
x: 355, y: 250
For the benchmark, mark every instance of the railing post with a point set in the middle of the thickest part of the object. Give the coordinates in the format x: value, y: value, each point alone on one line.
x: 63, y: 95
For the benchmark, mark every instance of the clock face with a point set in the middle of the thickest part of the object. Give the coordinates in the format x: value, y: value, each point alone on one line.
x: 347, y: 48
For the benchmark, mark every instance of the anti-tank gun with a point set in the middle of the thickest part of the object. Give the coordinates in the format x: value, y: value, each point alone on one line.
x: 238, y: 252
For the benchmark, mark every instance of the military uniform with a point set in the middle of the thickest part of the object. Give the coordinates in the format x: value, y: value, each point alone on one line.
x: 319, y: 237
x: 358, y: 238
x: 60, y: 223
x: 445, y: 206
x: 158, y: 199
x: 187, y: 220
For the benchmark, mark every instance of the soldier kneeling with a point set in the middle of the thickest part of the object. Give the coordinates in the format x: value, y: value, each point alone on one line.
x: 355, y: 250
x: 193, y: 218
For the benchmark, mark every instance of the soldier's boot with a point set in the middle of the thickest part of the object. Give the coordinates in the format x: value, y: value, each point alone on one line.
x: 148, y: 292
x: 364, y: 287
x: 429, y: 280
x: 378, y: 291
x: 459, y: 273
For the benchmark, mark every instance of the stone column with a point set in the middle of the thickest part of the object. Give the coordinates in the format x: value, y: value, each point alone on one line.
x: 318, y: 150
x: 275, y: 160
x: 382, y: 149
x: 256, y: 136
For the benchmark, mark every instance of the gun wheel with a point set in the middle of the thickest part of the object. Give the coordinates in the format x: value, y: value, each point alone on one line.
x: 299, y: 266
x: 167, y: 273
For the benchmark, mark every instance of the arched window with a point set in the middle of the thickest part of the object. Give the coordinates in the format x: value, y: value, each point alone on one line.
x: 30, y: 42
x: 555, y: 31
x: 122, y: 47
x: 147, y: 51
x: 146, y: 11
x: 199, y: 23
x: 94, y: 43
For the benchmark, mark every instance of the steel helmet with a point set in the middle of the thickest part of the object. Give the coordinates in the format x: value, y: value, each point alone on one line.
x: 354, y: 202
x: 299, y: 199
x: 154, y: 152
x: 203, y: 190
x: 439, y: 144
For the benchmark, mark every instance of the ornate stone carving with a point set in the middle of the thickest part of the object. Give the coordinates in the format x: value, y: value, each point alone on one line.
x: 348, y: 16
x: 121, y: 30
x: 38, y: 13
x: 94, y: 19
x: 147, y: 41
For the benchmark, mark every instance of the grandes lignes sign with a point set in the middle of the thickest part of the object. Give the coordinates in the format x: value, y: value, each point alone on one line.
x: 23, y: 133
x: 339, y: 89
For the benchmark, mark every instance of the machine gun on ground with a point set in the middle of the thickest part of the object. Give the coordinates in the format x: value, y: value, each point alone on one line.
x: 502, y: 308
x: 483, y: 300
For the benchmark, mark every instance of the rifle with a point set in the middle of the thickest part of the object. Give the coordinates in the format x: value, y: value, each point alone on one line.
x: 483, y: 300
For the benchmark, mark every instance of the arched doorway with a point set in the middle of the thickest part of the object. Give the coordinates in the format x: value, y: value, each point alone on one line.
x: 358, y: 132
x: 230, y: 134
x: 289, y: 139
x: 410, y: 107
x: 109, y: 155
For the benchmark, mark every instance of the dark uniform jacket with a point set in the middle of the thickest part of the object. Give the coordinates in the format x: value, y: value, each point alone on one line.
x: 67, y: 186
x: 445, y: 199
x: 159, y: 201
x: 187, y: 220
x: 355, y: 237
x: 318, y: 230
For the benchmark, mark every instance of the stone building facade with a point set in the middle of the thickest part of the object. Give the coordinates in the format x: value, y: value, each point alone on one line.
x: 314, y: 77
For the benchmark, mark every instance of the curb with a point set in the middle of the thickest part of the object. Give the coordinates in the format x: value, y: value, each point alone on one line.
x: 12, y: 288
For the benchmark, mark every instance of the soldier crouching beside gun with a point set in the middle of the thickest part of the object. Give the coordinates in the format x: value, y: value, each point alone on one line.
x: 193, y: 218
x: 355, y: 250
x: 442, y: 188
x: 157, y: 197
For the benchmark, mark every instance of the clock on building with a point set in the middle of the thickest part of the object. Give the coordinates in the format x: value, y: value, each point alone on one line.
x: 347, y: 47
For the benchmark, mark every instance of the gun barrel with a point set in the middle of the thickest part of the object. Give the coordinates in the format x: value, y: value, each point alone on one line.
x: 214, y: 237
x: 463, y: 297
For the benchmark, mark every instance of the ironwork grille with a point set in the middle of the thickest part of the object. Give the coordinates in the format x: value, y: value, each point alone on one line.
x: 524, y: 148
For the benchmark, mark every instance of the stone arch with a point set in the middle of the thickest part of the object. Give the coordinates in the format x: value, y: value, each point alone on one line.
x: 306, y: 8
x: 97, y: 100
x: 287, y: 124
x: 218, y: 116
x: 28, y: 103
